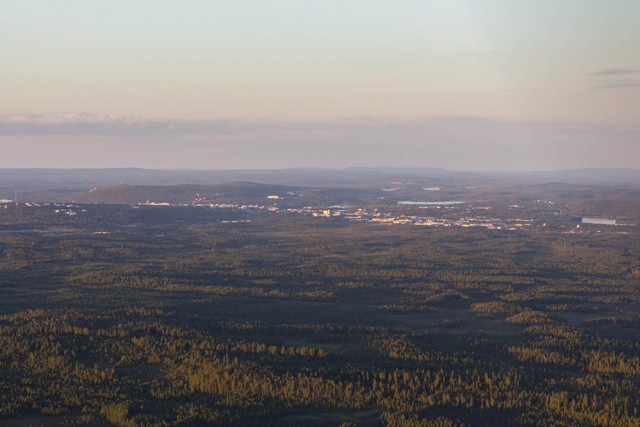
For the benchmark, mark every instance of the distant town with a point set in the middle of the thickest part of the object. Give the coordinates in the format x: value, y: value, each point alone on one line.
x: 539, y: 216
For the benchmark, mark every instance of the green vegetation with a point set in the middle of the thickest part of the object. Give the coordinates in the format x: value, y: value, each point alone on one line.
x: 170, y: 316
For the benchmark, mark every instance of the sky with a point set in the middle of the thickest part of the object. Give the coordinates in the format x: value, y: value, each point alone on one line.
x: 206, y: 84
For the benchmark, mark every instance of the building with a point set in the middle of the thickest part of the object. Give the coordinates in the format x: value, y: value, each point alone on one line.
x: 598, y: 221
x: 604, y: 221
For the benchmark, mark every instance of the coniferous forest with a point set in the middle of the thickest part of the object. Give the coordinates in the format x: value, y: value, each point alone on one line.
x: 180, y: 316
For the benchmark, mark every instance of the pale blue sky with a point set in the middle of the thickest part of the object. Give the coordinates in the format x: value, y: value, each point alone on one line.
x: 514, y: 63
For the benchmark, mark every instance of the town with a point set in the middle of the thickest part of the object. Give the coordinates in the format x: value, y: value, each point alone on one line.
x: 533, y: 216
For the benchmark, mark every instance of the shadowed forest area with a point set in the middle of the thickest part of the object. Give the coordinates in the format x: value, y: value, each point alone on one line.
x: 179, y: 316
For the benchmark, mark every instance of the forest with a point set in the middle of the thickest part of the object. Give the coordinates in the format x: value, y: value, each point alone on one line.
x: 178, y: 316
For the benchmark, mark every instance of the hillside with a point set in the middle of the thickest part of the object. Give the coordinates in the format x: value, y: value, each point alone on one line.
x: 129, y: 194
x: 41, y: 185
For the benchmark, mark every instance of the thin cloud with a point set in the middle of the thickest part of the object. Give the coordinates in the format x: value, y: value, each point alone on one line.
x: 469, y: 143
x: 81, y: 124
x: 90, y: 124
x: 617, y: 85
x: 616, y: 72
x: 96, y: 124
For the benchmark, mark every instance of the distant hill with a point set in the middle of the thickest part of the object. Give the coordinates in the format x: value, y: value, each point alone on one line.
x: 592, y: 176
x: 130, y: 194
x: 62, y: 184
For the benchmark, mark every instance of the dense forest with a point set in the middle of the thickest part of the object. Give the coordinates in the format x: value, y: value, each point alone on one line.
x: 167, y: 316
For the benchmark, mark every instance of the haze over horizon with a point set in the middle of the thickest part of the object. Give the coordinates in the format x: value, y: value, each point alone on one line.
x: 466, y: 85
